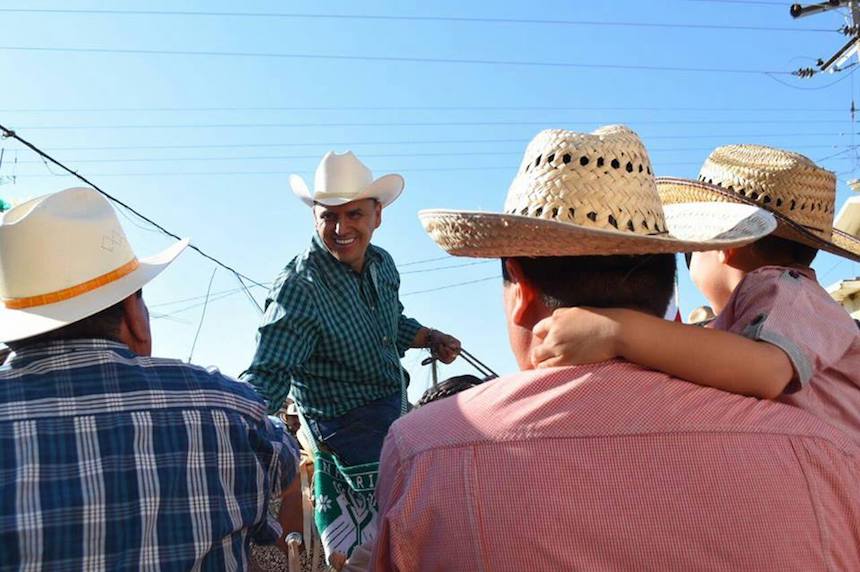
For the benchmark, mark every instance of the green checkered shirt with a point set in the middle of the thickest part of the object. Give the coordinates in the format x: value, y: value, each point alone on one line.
x: 334, y: 335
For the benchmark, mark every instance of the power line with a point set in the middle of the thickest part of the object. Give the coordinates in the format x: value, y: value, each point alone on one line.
x: 399, y: 142
x: 430, y: 124
x: 445, y: 267
x: 220, y: 295
x: 365, y: 155
x: 402, y: 169
x: 392, y: 59
x: 745, y: 2
x: 8, y: 133
x: 424, y: 261
x: 202, y: 314
x: 447, y: 286
x: 408, y: 108
x: 406, y: 18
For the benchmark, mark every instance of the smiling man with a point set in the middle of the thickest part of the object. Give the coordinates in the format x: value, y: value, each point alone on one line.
x: 334, y: 329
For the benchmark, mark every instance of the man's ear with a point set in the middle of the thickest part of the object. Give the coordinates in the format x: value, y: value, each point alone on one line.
x: 134, y: 330
x: 378, y: 206
x: 727, y: 256
x: 524, y: 295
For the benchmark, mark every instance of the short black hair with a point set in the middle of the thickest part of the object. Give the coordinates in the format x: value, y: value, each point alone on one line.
x: 640, y: 282
x: 784, y: 252
x: 449, y: 387
x: 103, y: 325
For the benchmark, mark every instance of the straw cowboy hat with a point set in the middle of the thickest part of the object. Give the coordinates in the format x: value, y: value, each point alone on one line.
x: 799, y: 193
x: 591, y: 194
x: 340, y: 179
x: 64, y: 257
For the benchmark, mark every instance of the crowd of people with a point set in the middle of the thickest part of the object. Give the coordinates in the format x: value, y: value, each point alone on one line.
x: 626, y: 441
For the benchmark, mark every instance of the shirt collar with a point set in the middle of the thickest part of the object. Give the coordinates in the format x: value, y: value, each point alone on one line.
x: 805, y: 271
x: 31, y: 352
x: 372, y: 256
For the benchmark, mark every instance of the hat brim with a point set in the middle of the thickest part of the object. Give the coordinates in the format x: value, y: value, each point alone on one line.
x: 28, y: 322
x: 691, y: 227
x: 385, y: 189
x: 677, y: 191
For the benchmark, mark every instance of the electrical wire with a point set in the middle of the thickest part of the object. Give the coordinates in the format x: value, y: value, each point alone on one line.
x: 408, y: 18
x: 8, y: 133
x: 161, y: 126
x: 390, y: 59
x: 366, y: 155
x: 202, y: 314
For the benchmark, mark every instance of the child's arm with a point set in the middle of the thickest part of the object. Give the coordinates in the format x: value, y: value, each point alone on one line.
x: 708, y: 357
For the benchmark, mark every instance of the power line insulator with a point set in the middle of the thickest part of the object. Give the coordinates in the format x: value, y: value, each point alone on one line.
x: 804, y: 72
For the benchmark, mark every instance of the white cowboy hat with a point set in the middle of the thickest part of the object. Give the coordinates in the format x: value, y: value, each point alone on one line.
x: 579, y: 194
x: 64, y: 257
x: 800, y: 194
x: 340, y: 179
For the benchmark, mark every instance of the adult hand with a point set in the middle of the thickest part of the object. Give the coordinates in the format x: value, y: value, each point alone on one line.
x: 444, y: 347
x: 573, y: 336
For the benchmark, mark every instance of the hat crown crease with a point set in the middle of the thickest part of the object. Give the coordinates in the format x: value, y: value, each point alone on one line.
x: 59, y: 241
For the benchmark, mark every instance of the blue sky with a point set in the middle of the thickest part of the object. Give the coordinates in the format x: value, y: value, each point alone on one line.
x: 204, y: 143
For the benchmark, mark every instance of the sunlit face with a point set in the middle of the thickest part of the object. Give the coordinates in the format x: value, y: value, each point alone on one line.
x: 708, y: 274
x: 346, y: 230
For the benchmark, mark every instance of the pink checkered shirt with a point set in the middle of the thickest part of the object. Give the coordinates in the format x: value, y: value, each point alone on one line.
x: 613, y: 467
x: 789, y: 309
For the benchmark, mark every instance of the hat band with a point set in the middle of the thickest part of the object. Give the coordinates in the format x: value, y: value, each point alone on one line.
x: 72, y: 291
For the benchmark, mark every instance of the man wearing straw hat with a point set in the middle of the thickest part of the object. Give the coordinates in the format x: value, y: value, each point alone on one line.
x: 111, y: 459
x: 334, y: 329
x: 606, y: 466
x: 779, y: 335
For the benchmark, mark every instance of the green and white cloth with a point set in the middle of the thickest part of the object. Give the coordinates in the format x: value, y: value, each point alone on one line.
x: 345, y: 509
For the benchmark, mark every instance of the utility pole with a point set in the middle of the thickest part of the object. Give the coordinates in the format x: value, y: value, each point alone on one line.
x: 837, y: 61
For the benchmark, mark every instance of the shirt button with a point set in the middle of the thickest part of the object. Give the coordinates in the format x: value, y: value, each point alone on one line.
x: 384, y: 339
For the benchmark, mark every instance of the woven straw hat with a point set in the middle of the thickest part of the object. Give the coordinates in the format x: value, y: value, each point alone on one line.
x: 800, y: 194
x: 591, y: 194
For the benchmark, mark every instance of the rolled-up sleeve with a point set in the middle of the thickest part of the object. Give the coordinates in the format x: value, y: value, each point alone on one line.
x: 286, y: 339
x: 777, y: 306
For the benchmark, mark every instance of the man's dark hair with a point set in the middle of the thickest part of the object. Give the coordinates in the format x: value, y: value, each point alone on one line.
x: 449, y: 387
x: 642, y: 282
x: 102, y: 325
x: 784, y: 252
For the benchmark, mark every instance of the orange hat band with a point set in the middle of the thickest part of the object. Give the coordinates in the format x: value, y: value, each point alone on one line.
x: 72, y: 291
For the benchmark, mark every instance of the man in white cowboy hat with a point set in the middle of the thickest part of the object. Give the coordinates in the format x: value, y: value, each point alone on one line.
x: 334, y: 329
x: 607, y: 466
x: 111, y: 459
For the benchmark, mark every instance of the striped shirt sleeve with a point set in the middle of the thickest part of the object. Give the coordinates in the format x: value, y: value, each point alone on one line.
x: 287, y: 338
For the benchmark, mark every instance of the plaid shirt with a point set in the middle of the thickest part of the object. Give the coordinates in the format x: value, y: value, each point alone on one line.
x: 334, y: 335
x: 111, y: 461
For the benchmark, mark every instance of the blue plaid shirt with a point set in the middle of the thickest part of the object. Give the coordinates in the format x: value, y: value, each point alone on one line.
x: 112, y: 461
x: 333, y: 335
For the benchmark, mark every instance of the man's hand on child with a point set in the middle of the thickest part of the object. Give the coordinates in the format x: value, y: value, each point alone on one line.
x: 573, y: 336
